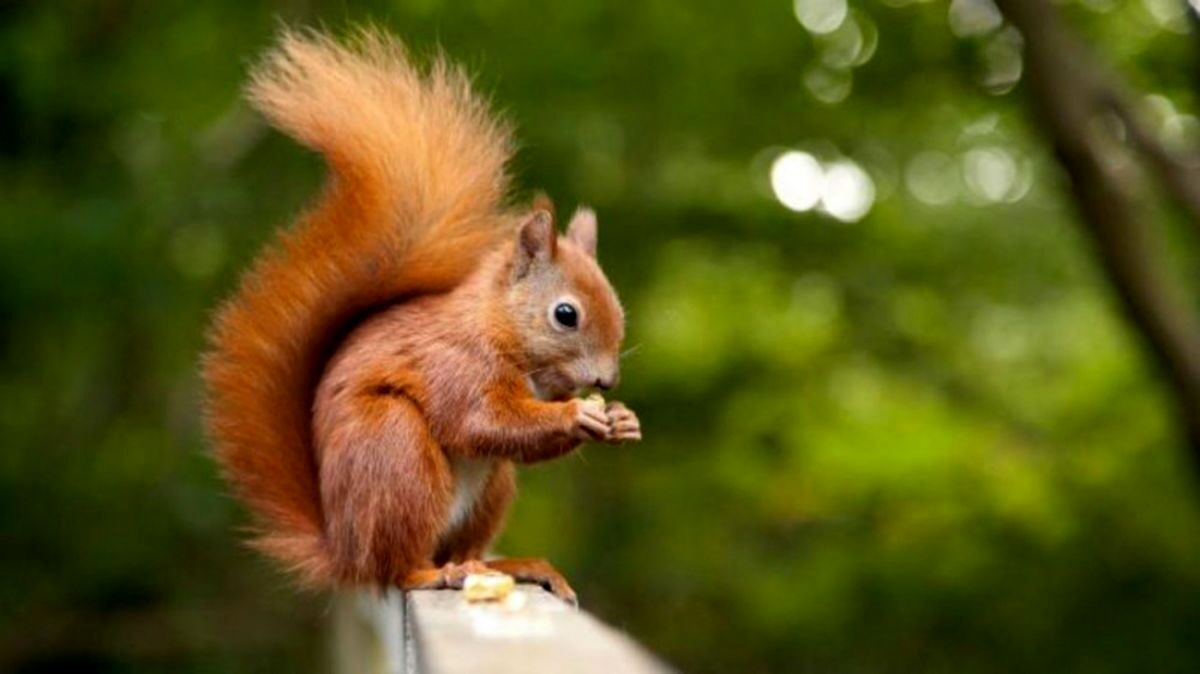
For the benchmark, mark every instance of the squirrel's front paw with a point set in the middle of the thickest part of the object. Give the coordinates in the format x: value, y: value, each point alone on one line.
x: 623, y: 424
x: 591, y: 420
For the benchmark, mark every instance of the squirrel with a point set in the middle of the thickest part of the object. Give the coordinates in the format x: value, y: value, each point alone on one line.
x: 381, y: 368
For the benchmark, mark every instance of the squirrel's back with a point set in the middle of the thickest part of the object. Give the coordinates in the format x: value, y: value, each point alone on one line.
x: 413, y: 201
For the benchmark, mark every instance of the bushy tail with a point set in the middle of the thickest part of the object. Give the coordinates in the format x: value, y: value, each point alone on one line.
x: 413, y: 201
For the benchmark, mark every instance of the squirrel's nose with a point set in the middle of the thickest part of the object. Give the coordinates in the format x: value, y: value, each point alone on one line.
x: 606, y: 383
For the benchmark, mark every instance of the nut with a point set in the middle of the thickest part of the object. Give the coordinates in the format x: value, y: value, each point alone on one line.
x: 489, y: 586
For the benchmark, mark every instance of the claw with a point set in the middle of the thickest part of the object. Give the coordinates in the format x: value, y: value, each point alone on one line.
x: 537, y: 571
x: 623, y: 424
x: 453, y: 574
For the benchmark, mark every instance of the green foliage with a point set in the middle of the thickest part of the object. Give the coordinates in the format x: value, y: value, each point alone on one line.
x: 922, y: 441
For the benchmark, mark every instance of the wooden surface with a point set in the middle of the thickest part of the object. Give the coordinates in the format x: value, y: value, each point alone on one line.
x: 446, y: 635
x: 368, y: 633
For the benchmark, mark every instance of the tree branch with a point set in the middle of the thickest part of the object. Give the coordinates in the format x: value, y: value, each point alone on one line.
x: 1068, y: 92
x: 1180, y: 176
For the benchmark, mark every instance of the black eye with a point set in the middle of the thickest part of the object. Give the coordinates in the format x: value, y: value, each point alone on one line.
x: 566, y: 315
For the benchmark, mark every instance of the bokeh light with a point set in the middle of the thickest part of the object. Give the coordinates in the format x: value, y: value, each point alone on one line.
x: 1003, y: 63
x: 841, y: 188
x: 847, y: 192
x: 828, y: 85
x: 990, y: 173
x: 969, y: 18
x: 933, y: 178
x: 797, y: 179
x: 821, y: 16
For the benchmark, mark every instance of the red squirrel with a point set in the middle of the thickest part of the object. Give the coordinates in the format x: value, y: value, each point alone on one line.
x: 410, y: 338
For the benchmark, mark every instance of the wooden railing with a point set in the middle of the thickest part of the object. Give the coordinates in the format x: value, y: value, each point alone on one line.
x: 438, y: 632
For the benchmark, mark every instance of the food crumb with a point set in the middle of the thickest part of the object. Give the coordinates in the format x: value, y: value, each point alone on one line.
x: 490, y: 586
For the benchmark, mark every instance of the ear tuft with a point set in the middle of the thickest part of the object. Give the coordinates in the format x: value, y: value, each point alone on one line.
x: 582, y: 230
x: 542, y: 202
x: 536, y: 242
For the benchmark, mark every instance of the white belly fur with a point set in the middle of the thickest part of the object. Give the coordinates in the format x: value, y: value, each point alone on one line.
x: 470, y: 477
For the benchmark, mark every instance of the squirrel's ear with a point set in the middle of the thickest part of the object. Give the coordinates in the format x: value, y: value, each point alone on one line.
x: 536, y: 242
x: 582, y: 230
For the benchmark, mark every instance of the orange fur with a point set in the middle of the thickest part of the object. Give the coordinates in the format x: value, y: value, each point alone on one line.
x: 395, y: 453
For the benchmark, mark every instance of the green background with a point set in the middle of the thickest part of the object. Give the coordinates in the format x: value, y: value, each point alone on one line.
x: 923, y: 441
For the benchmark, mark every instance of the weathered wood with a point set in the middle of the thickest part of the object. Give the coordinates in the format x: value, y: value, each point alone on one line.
x: 450, y: 636
x: 438, y: 632
x: 368, y: 633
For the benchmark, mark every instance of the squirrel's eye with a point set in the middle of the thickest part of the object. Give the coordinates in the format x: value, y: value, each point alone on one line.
x: 566, y: 315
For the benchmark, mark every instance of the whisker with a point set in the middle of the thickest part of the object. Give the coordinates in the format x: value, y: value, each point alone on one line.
x: 535, y: 371
x: 630, y: 351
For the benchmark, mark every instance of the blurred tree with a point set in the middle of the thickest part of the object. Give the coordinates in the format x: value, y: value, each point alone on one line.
x: 1072, y: 94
